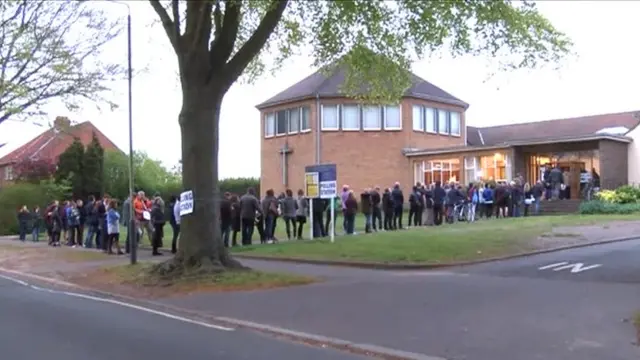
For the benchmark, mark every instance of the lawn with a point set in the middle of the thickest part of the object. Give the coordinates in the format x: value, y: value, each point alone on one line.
x: 447, y: 243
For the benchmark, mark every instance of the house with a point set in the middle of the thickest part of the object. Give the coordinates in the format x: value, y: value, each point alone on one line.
x: 50, y: 144
x: 424, y: 138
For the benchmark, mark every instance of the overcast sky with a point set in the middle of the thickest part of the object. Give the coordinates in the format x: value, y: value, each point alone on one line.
x: 604, y: 78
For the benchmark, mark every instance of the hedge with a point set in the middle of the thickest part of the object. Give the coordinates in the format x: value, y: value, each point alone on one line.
x: 601, y: 207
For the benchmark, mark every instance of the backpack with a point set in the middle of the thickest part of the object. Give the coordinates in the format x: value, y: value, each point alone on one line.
x: 474, y: 197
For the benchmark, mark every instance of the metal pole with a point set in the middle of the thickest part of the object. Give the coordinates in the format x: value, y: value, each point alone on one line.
x: 133, y: 233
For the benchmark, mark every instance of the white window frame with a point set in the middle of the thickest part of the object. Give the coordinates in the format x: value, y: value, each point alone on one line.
x: 270, y: 117
x: 459, y: 118
x: 327, y: 128
x: 286, y: 122
x: 342, y: 117
x: 378, y: 111
x: 302, y: 108
x: 8, y: 173
x: 421, y: 118
x: 446, y: 114
x: 289, y: 111
x: 384, y: 120
x: 434, y: 120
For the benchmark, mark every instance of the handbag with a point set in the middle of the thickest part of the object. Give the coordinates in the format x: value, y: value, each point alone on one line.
x: 146, y: 215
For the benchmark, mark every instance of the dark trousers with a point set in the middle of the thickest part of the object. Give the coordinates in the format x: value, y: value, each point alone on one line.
x: 300, y: 220
x: 376, y: 215
x: 225, y: 232
x: 23, y: 230
x: 397, y: 218
x: 156, y: 239
x: 388, y: 219
x: 260, y: 227
x: 290, y: 222
x: 437, y: 214
x: 318, y: 227
x: 350, y: 221
x: 417, y: 217
x: 247, y: 226
x: 131, y: 230
x: 176, y: 234
x: 75, y: 235
x: 327, y: 222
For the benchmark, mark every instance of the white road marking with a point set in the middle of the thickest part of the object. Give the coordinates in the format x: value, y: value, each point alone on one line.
x: 552, y: 265
x: 577, y: 267
x: 121, y: 303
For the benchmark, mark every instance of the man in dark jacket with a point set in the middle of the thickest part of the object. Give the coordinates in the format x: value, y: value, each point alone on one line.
x: 387, y: 207
x: 365, y: 207
x: 225, y: 218
x: 438, y: 201
x: 397, y: 198
x: 249, y: 209
x: 319, y: 208
x: 376, y: 212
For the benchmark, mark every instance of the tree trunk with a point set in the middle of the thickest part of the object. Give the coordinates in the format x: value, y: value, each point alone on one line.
x: 201, y: 242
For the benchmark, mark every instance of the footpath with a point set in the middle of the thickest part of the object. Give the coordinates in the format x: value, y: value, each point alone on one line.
x: 443, y: 314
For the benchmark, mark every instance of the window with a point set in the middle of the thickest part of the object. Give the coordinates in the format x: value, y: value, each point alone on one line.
x: 455, y: 123
x: 443, y: 122
x: 430, y: 120
x: 8, y: 173
x: 281, y: 122
x: 470, y: 169
x: 350, y: 117
x: 330, y: 117
x: 418, y: 118
x: 392, y: 119
x: 371, y: 119
x: 305, y: 124
x: 270, y: 125
x: 294, y: 120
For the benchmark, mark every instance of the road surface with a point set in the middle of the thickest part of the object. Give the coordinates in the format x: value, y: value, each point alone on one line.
x: 37, y: 324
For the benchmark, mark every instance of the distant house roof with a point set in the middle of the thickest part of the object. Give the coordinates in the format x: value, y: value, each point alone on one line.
x: 320, y: 85
x: 53, y: 142
x: 577, y: 127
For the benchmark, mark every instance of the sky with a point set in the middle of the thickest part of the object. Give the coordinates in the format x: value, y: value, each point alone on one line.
x: 602, y: 78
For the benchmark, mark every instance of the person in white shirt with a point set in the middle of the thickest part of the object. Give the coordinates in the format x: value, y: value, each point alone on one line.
x: 175, y: 222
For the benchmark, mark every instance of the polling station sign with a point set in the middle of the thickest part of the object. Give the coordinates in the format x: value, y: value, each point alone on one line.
x: 321, y: 181
x: 186, y: 203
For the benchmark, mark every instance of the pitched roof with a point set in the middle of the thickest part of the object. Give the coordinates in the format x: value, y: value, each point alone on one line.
x: 51, y: 143
x: 577, y: 127
x: 322, y: 85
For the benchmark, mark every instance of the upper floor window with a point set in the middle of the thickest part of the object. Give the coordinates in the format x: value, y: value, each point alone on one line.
x: 443, y: 121
x: 350, y: 117
x: 270, y: 125
x: 430, y: 120
x: 418, y: 118
x: 371, y: 117
x: 8, y: 173
x: 392, y: 118
x: 330, y: 117
x: 454, y: 120
x: 305, y: 121
x: 282, y: 122
x: 294, y: 120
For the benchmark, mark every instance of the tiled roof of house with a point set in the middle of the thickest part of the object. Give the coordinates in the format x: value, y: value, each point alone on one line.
x: 323, y: 86
x: 576, y: 127
x: 53, y: 142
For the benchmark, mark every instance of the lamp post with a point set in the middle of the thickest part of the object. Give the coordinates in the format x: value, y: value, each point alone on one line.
x: 131, y: 228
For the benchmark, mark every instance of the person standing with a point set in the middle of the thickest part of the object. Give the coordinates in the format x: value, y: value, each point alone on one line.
x: 23, y: 222
x: 302, y: 210
x: 225, y: 218
x: 365, y: 208
x: 36, y: 224
x: 236, y: 219
x: 289, y: 207
x: 158, y: 221
x: 175, y: 224
x: 113, y: 228
x: 397, y: 198
x: 249, y: 209
x: 376, y: 212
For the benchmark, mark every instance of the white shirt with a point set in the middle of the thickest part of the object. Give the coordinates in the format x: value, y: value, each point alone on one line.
x: 176, y: 211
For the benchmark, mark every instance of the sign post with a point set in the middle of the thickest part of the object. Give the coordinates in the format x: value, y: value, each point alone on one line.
x: 321, y: 182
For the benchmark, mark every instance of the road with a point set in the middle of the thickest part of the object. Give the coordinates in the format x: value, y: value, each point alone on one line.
x: 37, y: 324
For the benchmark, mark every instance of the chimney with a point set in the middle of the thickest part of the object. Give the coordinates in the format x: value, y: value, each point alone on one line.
x: 61, y: 123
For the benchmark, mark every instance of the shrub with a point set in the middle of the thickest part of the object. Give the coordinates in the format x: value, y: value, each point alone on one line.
x: 15, y: 196
x: 602, y: 207
x: 627, y: 194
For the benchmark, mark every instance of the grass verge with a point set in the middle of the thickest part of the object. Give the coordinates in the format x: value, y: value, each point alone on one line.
x: 138, y: 281
x: 434, y: 245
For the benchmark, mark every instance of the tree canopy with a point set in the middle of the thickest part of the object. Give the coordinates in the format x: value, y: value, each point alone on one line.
x: 51, y: 50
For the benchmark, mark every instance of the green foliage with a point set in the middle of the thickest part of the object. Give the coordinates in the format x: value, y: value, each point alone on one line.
x: 93, y: 166
x: 601, y: 207
x: 43, y: 58
x: 71, y: 168
x: 15, y: 196
x: 627, y: 194
x: 239, y: 186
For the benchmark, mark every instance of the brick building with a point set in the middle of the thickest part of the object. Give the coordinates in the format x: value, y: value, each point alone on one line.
x: 50, y: 144
x: 425, y: 138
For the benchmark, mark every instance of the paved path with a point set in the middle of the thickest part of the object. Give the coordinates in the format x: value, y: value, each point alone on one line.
x: 43, y: 325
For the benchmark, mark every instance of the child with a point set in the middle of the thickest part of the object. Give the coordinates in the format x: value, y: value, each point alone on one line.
x: 113, y: 228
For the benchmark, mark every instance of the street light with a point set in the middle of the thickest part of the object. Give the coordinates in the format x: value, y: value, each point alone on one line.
x: 131, y: 228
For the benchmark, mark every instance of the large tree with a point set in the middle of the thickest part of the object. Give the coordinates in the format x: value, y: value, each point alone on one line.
x: 218, y: 41
x: 71, y: 168
x: 93, y: 168
x: 52, y: 50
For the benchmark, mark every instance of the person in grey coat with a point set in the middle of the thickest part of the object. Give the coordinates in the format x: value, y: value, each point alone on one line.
x: 289, y: 207
x: 249, y: 209
x: 302, y: 211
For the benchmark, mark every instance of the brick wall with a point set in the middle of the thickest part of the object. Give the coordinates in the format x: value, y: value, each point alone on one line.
x: 613, y: 164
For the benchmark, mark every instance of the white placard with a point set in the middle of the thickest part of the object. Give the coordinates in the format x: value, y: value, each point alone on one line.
x: 186, y: 203
x: 328, y: 189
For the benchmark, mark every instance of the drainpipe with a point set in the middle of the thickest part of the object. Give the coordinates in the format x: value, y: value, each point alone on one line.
x: 318, y: 115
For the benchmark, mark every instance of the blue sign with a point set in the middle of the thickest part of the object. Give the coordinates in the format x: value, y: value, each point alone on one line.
x: 321, y: 181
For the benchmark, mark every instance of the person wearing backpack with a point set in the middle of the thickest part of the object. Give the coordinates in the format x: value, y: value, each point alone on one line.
x: 487, y: 195
x: 73, y: 224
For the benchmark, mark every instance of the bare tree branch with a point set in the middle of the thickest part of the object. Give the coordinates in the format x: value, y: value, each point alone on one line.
x: 167, y: 24
x: 198, y: 27
x: 224, y: 42
x: 254, y: 44
x: 217, y: 18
